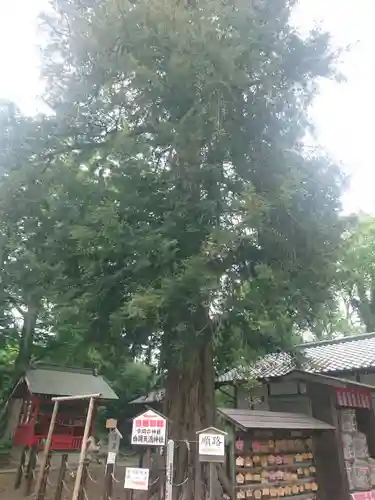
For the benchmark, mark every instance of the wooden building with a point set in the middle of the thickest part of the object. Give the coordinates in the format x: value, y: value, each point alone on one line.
x: 275, y: 455
x: 33, y: 403
x: 325, y: 400
x: 321, y: 381
x: 351, y: 358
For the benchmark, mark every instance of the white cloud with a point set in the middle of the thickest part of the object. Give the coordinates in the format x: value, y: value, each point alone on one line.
x: 343, y: 112
x: 19, y: 54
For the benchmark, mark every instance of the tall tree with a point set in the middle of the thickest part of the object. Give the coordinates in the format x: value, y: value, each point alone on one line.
x: 202, y: 221
x: 24, y: 274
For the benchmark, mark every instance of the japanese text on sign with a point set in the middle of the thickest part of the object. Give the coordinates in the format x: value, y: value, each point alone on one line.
x: 149, y: 429
x: 211, y: 444
x: 136, y: 478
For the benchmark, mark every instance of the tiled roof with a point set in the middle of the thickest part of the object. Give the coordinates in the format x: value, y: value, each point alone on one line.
x: 57, y: 381
x: 253, y: 419
x: 340, y: 355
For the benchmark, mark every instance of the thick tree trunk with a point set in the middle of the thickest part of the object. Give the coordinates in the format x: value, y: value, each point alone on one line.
x: 26, y: 340
x: 189, y: 406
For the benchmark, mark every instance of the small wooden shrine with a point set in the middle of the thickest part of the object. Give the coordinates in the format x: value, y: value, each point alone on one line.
x: 34, y: 393
x: 327, y: 453
x: 274, y: 454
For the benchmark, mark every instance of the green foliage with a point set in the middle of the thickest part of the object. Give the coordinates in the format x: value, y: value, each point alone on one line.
x: 356, y: 276
x: 169, y: 201
x: 351, y: 306
x: 133, y: 380
x: 208, y: 202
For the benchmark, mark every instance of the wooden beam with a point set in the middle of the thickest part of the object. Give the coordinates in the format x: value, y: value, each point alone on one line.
x: 74, y: 398
x: 82, y: 456
x: 46, y: 449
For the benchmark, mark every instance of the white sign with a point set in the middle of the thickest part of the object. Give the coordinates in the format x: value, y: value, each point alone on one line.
x: 149, y: 429
x: 111, y: 458
x: 136, y: 478
x: 169, y: 471
x: 211, y: 444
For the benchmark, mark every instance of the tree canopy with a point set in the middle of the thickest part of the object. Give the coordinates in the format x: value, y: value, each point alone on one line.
x: 168, y: 208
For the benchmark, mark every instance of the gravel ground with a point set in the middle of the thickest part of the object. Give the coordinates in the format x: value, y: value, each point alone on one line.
x: 95, y: 485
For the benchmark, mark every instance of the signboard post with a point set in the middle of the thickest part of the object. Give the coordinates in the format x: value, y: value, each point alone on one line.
x: 149, y: 429
x: 211, y: 449
x: 114, y: 438
x: 169, y: 471
x: 136, y: 478
x: 211, y: 445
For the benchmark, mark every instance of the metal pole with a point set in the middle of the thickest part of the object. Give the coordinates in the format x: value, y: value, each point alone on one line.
x: 46, y: 448
x: 83, y: 449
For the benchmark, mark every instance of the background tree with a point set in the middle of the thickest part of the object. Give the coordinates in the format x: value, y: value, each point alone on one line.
x: 356, y: 275
x: 43, y: 203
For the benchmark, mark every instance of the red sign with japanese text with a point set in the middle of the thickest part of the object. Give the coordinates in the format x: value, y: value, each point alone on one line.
x: 149, y: 429
x: 354, y: 398
x: 363, y: 495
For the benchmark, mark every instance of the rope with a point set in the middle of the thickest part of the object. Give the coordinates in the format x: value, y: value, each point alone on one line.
x: 90, y: 476
x: 181, y: 484
x: 187, y: 443
x: 69, y: 469
x: 50, y: 484
x: 115, y: 480
x: 66, y: 487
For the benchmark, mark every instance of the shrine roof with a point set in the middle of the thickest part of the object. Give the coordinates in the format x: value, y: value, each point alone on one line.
x: 58, y: 381
x: 253, y: 419
x: 355, y: 353
x: 347, y: 354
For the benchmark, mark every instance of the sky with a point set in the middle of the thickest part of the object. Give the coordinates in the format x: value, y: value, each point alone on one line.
x: 342, y: 113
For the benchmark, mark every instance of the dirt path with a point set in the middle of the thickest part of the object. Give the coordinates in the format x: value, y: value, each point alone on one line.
x: 94, y: 485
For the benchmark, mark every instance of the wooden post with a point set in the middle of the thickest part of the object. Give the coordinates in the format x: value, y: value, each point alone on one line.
x: 211, y: 481
x: 169, y: 470
x: 30, y: 469
x: 60, y: 481
x: 148, y: 466
x: 114, y: 437
x: 43, y: 484
x: 108, y: 482
x: 20, y: 469
x: 81, y: 495
x: 83, y: 449
x: 46, y: 448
